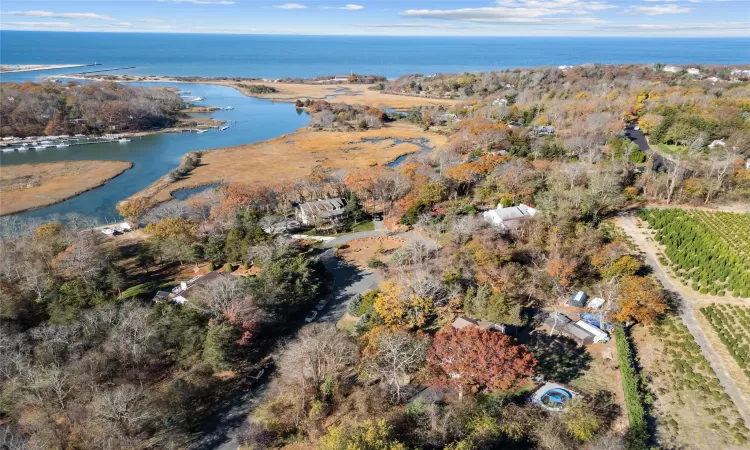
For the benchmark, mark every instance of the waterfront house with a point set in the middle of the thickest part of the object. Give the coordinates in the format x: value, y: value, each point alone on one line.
x: 508, y: 218
x: 693, y: 71
x: 672, y: 69
x: 321, y: 211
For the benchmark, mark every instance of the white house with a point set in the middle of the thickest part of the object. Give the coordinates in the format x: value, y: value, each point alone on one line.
x: 693, y: 71
x: 499, y: 102
x: 672, y: 69
x: 510, y: 217
x: 179, y: 294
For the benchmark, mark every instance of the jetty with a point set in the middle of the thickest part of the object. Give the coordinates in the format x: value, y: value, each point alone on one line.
x: 103, y: 70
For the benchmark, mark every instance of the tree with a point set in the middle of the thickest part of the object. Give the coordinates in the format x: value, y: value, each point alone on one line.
x: 172, y: 227
x: 396, y: 355
x: 134, y: 208
x: 320, y: 351
x: 487, y: 304
x: 641, y: 300
x: 370, y: 435
x: 581, y: 421
x: 474, y: 358
x: 223, y: 296
x: 398, y: 306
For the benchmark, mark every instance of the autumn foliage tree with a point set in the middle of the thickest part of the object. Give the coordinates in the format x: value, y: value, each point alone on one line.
x: 399, y: 307
x: 474, y: 358
x: 641, y: 300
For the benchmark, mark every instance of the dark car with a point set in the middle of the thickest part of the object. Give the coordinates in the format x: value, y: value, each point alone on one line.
x: 377, y: 217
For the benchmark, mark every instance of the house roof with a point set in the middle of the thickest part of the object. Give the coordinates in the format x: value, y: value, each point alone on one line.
x: 327, y: 207
x: 202, y: 280
x: 514, y: 212
x: 577, y: 332
x: 462, y: 322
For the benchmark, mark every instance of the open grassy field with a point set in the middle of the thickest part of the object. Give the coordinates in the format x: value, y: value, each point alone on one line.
x: 709, y: 251
x: 690, y: 406
x: 293, y: 156
x: 30, y: 186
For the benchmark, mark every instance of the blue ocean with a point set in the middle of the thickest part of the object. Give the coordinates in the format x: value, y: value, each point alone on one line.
x: 272, y: 56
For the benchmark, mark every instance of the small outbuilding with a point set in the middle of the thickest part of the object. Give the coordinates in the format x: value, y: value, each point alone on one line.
x: 599, y: 335
x: 508, y: 218
x: 578, y: 300
x: 545, y: 130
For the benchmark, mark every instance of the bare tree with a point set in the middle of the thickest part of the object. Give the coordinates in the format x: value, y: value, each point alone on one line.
x: 121, y: 407
x: 131, y: 338
x: 319, y: 351
x: 222, y: 296
x: 397, y: 355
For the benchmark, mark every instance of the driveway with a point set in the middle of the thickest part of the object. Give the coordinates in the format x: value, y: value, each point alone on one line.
x: 687, y: 314
x: 638, y: 137
x: 348, y: 281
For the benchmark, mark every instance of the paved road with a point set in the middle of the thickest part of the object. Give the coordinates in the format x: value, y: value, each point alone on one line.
x: 347, y: 281
x: 687, y: 314
x: 638, y: 137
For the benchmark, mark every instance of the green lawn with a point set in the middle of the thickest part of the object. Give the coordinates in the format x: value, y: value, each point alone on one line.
x: 364, y: 226
x: 672, y: 149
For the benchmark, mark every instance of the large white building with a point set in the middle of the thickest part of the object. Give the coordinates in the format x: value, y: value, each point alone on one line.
x: 510, y: 217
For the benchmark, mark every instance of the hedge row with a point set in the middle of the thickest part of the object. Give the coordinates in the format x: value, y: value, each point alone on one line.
x: 633, y: 394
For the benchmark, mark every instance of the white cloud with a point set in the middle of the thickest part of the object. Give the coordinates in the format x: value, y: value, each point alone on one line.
x: 290, y: 6
x: 656, y: 10
x: 521, y: 12
x: 39, y: 24
x: 150, y: 20
x: 122, y: 24
x: 347, y: 7
x: 441, y: 26
x: 91, y: 16
x: 668, y: 28
x: 199, y: 2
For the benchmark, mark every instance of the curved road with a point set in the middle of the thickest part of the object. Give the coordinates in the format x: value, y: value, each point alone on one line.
x: 687, y: 315
x: 347, y: 281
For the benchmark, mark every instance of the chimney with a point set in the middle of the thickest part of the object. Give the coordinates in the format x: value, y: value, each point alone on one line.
x: 183, y: 285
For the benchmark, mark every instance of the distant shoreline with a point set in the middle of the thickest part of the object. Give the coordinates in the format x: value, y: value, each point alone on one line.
x: 8, y: 68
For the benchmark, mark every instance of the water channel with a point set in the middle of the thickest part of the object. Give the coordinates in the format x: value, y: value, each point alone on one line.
x: 251, y: 120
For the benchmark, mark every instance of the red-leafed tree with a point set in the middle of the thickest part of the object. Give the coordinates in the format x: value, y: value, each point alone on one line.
x: 475, y: 358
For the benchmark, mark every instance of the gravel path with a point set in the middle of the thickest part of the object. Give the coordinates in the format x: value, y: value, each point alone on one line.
x: 687, y: 314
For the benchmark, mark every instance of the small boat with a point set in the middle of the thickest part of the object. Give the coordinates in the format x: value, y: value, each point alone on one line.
x: 63, y: 145
x: 79, y: 135
x: 41, y: 147
x: 229, y: 108
x: 200, y: 131
x: 198, y: 99
x: 123, y: 140
x: 224, y: 128
x: 108, y: 231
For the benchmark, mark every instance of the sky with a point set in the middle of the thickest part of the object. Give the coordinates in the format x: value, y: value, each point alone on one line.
x: 669, y: 18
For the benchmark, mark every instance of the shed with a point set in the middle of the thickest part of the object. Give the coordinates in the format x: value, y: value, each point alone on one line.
x: 596, y: 303
x: 599, y: 335
x: 579, y: 334
x: 578, y: 300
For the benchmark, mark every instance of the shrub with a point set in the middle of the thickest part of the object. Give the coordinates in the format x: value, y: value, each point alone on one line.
x: 375, y: 263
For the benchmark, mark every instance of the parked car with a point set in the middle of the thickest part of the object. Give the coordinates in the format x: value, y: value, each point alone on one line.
x: 310, y: 317
x: 321, y: 304
x: 377, y: 217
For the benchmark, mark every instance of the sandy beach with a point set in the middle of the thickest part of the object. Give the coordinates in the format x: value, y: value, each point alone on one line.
x: 12, y: 68
x: 31, y: 186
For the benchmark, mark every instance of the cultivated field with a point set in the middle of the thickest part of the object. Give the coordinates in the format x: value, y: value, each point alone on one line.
x: 709, y: 251
x: 30, y: 186
x: 732, y: 324
x: 690, y: 406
